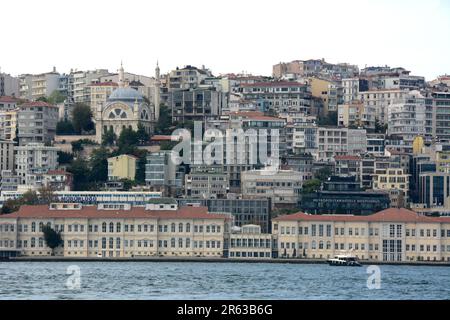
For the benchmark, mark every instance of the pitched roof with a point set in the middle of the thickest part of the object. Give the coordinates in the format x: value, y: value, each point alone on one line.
x: 7, y: 99
x: 274, y: 84
x: 44, y: 211
x: 37, y: 104
x: 387, y: 215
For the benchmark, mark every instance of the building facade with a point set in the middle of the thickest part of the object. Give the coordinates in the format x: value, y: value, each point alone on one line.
x: 37, y: 122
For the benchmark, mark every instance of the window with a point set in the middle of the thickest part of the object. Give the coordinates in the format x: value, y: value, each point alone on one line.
x: 172, y: 227
x: 313, y: 230
x: 33, y: 227
x: 104, y: 227
x: 188, y: 228
x: 180, y: 227
x: 111, y: 227
x: 118, y: 227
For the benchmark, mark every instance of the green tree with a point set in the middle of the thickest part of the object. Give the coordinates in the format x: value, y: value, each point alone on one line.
x: 52, y: 238
x: 127, y: 142
x: 323, y: 174
x: 77, y: 146
x: 80, y: 171
x: 311, y: 186
x: 82, y: 118
x: 64, y: 157
x: 99, y: 165
x: 140, y: 165
x: 142, y: 135
x: 42, y: 99
x: 56, y: 97
x: 164, y: 121
x: 329, y: 119
x: 109, y: 137
x: 65, y: 127
x: 46, y: 195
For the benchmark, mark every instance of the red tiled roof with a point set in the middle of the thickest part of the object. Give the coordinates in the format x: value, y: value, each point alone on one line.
x: 274, y: 84
x: 388, y: 215
x: 161, y: 138
x: 37, y: 104
x: 356, y: 158
x: 43, y: 211
x: 7, y: 99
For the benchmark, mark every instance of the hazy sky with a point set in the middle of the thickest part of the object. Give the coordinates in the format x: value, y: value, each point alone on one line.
x: 225, y: 36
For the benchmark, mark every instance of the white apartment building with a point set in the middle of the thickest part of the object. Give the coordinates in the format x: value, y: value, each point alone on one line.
x: 36, y: 86
x: 8, y: 124
x: 6, y: 155
x: 37, y: 122
x: 379, y: 102
x: 9, y: 86
x: 79, y: 82
x: 332, y: 141
x: 34, y: 158
x: 406, y: 117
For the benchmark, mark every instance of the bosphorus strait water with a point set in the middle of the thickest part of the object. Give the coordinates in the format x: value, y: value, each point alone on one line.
x: 187, y: 280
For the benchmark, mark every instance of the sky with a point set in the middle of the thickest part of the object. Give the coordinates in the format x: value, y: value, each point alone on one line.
x: 231, y: 36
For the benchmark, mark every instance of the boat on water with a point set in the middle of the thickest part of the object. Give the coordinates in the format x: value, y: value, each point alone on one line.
x: 344, y: 260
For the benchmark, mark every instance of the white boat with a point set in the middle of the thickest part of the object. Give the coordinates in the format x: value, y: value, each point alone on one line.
x: 344, y: 260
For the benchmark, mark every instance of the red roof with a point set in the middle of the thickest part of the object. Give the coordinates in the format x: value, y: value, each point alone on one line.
x: 37, y: 104
x: 7, y: 99
x: 44, y: 212
x: 388, y: 215
x: 274, y: 84
x: 58, y: 172
x: 161, y: 138
x: 356, y: 158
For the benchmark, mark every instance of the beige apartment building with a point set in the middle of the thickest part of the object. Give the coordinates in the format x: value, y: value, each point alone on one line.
x: 391, y: 235
x: 116, y: 230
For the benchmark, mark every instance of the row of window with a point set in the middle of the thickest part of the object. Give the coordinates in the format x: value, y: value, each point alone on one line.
x: 251, y: 243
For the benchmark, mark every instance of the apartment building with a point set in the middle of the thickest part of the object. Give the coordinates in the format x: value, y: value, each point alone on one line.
x: 80, y: 81
x: 396, y: 182
x: 406, y: 118
x: 6, y: 155
x: 283, y: 187
x: 116, y: 230
x: 99, y: 94
x: 333, y: 141
x: 187, y: 78
x: 391, y: 235
x: 379, y: 102
x: 9, y: 86
x: 122, y: 167
x: 8, y: 123
x: 206, y: 182
x: 37, y: 86
x: 162, y: 174
x: 34, y: 158
x: 37, y: 122
x: 281, y: 96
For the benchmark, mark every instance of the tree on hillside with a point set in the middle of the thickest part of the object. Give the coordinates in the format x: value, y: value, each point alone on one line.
x: 323, y: 174
x: 65, y: 127
x: 99, y: 165
x: 164, y: 122
x: 52, y: 238
x: 82, y: 118
x: 109, y: 137
x: 64, y: 157
x: 311, y: 186
x: 42, y: 99
x: 80, y: 170
x: 329, y: 119
x: 142, y: 136
x: 56, y: 97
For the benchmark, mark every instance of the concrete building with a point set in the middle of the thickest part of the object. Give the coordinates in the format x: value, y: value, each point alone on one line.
x: 80, y: 81
x: 100, y: 93
x: 332, y: 141
x: 282, y: 96
x: 37, y: 86
x: 187, y: 78
x: 391, y: 235
x: 122, y: 167
x: 434, y: 189
x: 283, y: 187
x: 6, y: 155
x: 406, y: 118
x: 116, y: 230
x: 348, y: 166
x: 34, y: 158
x: 396, y: 182
x: 206, y: 182
x: 380, y: 101
x: 9, y: 86
x: 352, y: 87
x: 37, y: 122
x: 249, y: 242
x: 8, y: 123
x: 162, y: 174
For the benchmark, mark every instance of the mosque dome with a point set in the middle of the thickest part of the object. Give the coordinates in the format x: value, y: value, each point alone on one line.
x: 125, y: 94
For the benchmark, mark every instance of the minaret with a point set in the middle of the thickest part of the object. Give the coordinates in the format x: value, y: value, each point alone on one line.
x: 121, y: 76
x: 157, y: 91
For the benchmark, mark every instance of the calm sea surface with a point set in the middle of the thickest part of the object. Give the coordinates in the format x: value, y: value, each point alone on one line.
x: 184, y: 280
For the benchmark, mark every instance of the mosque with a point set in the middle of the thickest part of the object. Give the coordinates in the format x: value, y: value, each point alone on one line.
x: 127, y: 108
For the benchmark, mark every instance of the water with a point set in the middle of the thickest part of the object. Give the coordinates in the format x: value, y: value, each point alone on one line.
x: 184, y: 280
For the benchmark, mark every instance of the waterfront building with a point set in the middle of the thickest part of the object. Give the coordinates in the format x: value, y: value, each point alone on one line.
x: 243, y: 211
x: 37, y: 122
x: 392, y: 235
x: 122, y: 167
x: 116, y: 230
x: 248, y: 242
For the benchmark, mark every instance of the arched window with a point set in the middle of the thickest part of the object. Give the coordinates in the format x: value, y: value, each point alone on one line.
x: 213, y: 228
x: 117, y: 243
x: 328, y: 245
x: 104, y: 241
x: 313, y: 245
x: 111, y: 243
x: 188, y: 227
x: 320, y: 245
x: 41, y: 225
x: 41, y: 242
x: 118, y: 227
x: 172, y: 243
x: 180, y: 243
x: 33, y: 227
x: 111, y: 227
x: 33, y: 242
x: 188, y: 243
x: 104, y: 227
x: 180, y: 227
x: 172, y: 227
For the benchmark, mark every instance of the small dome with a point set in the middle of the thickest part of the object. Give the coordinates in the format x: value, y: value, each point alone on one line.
x: 125, y: 94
